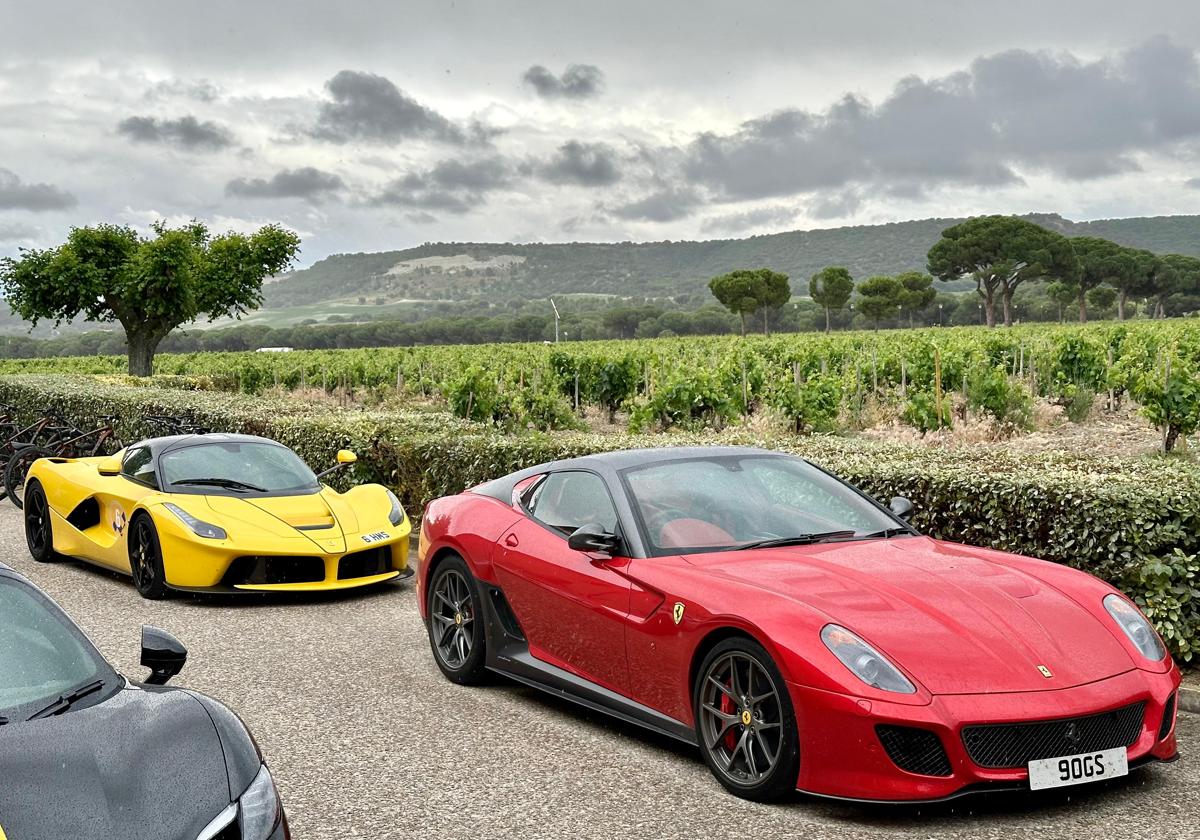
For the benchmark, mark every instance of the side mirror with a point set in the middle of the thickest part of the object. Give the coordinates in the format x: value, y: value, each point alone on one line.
x: 900, y: 506
x: 109, y: 466
x: 593, y: 539
x: 162, y: 653
x: 344, y: 458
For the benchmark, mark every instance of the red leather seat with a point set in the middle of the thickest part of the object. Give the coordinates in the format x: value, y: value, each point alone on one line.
x: 682, y: 533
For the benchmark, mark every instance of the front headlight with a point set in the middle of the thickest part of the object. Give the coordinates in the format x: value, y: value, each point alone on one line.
x: 866, y: 663
x: 198, y: 526
x: 396, y: 516
x: 1135, y: 626
x: 259, y: 810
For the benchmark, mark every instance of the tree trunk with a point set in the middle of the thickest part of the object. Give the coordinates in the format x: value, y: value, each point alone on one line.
x: 1006, y: 302
x: 766, y: 325
x: 141, y: 347
x: 1121, y: 295
x: 989, y: 306
x: 826, y: 319
x: 743, y: 314
x: 1082, y: 306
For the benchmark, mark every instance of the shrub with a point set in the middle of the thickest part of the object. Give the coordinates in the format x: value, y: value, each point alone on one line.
x: 1171, y: 401
x: 921, y: 412
x: 991, y: 391
x: 812, y: 405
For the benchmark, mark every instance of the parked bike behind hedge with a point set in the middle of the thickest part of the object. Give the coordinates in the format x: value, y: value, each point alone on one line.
x: 66, y: 441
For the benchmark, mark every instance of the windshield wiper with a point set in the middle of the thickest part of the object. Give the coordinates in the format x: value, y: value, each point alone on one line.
x: 886, y: 533
x: 798, y: 539
x: 65, y: 701
x: 3, y: 720
x: 227, y: 483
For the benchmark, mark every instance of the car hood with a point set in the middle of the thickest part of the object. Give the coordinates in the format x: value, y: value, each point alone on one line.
x: 142, y: 765
x: 959, y: 619
x: 322, y: 517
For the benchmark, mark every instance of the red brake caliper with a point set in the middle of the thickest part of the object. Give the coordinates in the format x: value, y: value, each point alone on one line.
x: 728, y: 707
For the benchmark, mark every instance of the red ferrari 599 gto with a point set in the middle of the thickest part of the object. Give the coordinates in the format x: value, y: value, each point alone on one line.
x: 799, y: 633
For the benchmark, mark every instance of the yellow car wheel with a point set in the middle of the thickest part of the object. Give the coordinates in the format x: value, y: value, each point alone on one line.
x: 145, y: 559
x: 39, y: 533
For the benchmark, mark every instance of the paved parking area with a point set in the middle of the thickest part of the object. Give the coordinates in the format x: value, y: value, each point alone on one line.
x: 368, y: 740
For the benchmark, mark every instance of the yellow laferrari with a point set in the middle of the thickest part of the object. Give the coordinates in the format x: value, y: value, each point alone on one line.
x: 215, y: 513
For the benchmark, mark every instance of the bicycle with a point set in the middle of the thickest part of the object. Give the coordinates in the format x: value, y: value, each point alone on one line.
x: 75, y: 444
x: 42, y: 431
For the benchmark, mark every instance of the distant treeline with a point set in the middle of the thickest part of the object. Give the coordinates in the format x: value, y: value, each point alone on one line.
x: 1031, y: 303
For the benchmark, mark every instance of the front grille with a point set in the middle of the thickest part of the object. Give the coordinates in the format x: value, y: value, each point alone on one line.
x: 915, y: 750
x: 1168, y: 719
x: 265, y: 569
x: 372, y: 561
x: 1006, y: 745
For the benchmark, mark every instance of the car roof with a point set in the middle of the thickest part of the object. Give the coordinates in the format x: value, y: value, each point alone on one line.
x: 613, y: 462
x: 166, y: 444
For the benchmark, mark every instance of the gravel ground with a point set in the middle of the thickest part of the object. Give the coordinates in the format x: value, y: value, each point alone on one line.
x: 366, y: 739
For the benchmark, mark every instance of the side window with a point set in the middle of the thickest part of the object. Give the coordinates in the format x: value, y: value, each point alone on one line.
x: 139, y: 466
x: 568, y: 500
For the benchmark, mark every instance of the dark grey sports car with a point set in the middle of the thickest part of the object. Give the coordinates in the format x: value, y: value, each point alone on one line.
x: 87, y: 754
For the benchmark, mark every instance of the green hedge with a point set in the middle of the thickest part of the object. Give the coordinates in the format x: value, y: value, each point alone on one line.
x: 1133, y: 521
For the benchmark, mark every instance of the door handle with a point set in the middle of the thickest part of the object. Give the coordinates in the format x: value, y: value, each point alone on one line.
x: 511, y: 541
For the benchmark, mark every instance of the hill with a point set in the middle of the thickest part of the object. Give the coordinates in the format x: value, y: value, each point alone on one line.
x: 463, y: 270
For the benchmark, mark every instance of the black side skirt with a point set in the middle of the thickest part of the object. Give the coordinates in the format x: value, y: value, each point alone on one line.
x: 508, y: 654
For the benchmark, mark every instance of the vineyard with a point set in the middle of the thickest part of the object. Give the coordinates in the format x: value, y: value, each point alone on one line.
x: 815, y: 382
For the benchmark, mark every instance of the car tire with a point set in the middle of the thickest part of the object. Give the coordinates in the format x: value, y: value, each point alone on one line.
x: 745, y: 723
x: 17, y: 470
x: 145, y: 559
x: 39, y: 530
x: 456, y: 632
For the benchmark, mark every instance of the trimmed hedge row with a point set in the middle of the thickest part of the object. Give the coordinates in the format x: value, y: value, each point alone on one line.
x: 1132, y: 521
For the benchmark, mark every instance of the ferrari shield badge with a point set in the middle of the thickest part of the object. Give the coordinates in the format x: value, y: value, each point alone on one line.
x: 1045, y: 671
x: 677, y: 613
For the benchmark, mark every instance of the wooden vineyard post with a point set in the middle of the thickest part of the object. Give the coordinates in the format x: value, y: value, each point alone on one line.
x: 576, y: 392
x: 470, y: 403
x: 1166, y: 385
x: 903, y: 378
x: 745, y: 390
x: 937, y: 385
x: 1108, y: 380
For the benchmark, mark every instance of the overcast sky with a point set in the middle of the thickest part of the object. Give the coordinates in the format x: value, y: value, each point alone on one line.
x: 380, y: 125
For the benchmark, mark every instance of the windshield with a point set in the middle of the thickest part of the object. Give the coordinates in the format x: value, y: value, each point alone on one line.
x: 42, y: 654
x: 727, y: 502
x: 236, y: 468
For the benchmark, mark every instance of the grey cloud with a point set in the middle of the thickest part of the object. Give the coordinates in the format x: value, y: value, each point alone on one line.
x: 200, y: 90
x: 187, y: 133
x: 667, y: 205
x: 451, y: 186
x: 836, y: 205
x: 368, y: 107
x: 15, y: 194
x: 307, y: 182
x: 1194, y: 183
x: 15, y: 232
x: 1014, y: 111
x: 578, y: 81
x: 582, y: 164
x: 757, y: 217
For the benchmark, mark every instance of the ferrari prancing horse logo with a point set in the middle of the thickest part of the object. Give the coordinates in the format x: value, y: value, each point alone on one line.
x: 1045, y: 671
x: 677, y: 613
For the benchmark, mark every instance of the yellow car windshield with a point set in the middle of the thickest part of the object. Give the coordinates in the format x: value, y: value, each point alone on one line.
x: 237, y: 468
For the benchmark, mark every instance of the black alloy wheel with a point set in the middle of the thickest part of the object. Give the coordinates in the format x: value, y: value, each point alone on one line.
x: 145, y: 559
x: 456, y: 632
x: 39, y: 533
x: 745, y: 722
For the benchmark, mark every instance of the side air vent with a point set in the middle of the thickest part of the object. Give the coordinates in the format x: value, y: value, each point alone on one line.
x: 504, y: 612
x: 85, y: 515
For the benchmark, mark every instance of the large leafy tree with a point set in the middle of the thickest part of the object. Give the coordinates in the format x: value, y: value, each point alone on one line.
x: 831, y: 288
x: 916, y: 292
x: 151, y: 285
x: 1000, y: 253
x: 880, y: 297
x: 1102, y: 262
x: 746, y: 291
x: 1182, y: 275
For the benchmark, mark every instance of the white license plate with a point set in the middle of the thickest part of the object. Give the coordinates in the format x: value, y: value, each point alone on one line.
x: 1078, y: 769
